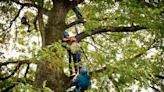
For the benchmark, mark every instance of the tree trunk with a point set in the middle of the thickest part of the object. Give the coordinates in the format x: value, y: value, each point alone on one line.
x: 52, y: 32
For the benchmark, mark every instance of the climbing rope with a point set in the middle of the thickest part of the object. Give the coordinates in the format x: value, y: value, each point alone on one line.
x: 76, y: 29
x: 17, y: 70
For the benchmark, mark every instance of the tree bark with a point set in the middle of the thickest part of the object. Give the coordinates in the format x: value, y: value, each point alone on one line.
x: 51, y: 33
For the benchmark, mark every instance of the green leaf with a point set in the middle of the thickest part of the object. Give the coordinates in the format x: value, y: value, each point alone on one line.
x: 44, y: 83
x: 24, y: 79
x: 48, y: 90
x: 158, y: 11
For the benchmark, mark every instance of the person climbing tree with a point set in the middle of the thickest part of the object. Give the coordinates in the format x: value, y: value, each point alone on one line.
x: 25, y: 22
x: 67, y: 39
x: 83, y: 82
x: 75, y: 47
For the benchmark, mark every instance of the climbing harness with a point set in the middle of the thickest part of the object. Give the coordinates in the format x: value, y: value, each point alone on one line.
x: 24, y: 22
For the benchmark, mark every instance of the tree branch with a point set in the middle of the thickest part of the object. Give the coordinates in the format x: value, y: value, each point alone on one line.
x: 72, y: 4
x: 155, y: 88
x: 45, y: 11
x: 19, y: 80
x: 15, y: 18
x: 11, y: 73
x: 141, y: 53
x: 8, y: 88
x: 83, y: 35
x: 21, y: 62
x: 90, y: 44
x: 159, y: 76
x: 79, y: 14
x: 73, y: 23
x: 28, y: 67
x: 96, y: 42
x: 35, y: 22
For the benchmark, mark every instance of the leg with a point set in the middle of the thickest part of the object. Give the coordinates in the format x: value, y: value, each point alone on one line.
x: 79, y: 58
x: 69, y: 53
x: 74, y: 59
x: 28, y: 28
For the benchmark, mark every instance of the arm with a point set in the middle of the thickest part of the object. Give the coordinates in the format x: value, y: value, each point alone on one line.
x: 74, y: 78
x: 66, y: 39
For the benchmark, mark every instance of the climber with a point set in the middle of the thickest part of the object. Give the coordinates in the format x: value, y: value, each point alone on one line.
x: 75, y: 47
x: 24, y: 21
x: 67, y: 39
x: 83, y: 82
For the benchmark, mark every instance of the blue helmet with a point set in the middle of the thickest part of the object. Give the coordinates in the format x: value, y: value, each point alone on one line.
x: 65, y: 33
x: 83, y: 71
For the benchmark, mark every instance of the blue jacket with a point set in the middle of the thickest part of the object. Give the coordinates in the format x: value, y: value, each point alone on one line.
x: 83, y: 81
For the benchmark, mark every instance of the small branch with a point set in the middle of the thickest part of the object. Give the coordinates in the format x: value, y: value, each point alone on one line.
x: 90, y: 44
x: 141, y: 53
x: 79, y: 14
x: 81, y: 20
x: 15, y: 17
x: 85, y: 55
x: 73, y: 23
x: 28, y: 67
x: 96, y: 42
x: 35, y: 22
x: 27, y: 81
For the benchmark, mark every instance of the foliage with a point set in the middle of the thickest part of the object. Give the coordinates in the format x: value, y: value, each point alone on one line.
x: 127, y: 58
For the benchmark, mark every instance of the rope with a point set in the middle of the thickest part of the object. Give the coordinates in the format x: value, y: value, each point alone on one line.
x: 17, y: 70
x: 76, y: 22
x: 18, y: 60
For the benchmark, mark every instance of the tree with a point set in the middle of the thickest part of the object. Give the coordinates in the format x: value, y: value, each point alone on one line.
x: 122, y: 33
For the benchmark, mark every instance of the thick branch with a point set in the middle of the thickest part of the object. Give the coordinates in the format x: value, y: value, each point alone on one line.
x: 11, y: 73
x: 19, y: 80
x: 155, y: 88
x: 21, y: 62
x: 45, y: 11
x: 159, y: 76
x: 8, y: 88
x: 83, y: 35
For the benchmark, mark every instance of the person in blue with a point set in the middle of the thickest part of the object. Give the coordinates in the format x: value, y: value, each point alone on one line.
x: 82, y: 82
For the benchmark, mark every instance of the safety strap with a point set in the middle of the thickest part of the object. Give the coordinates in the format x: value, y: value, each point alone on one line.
x: 81, y: 90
